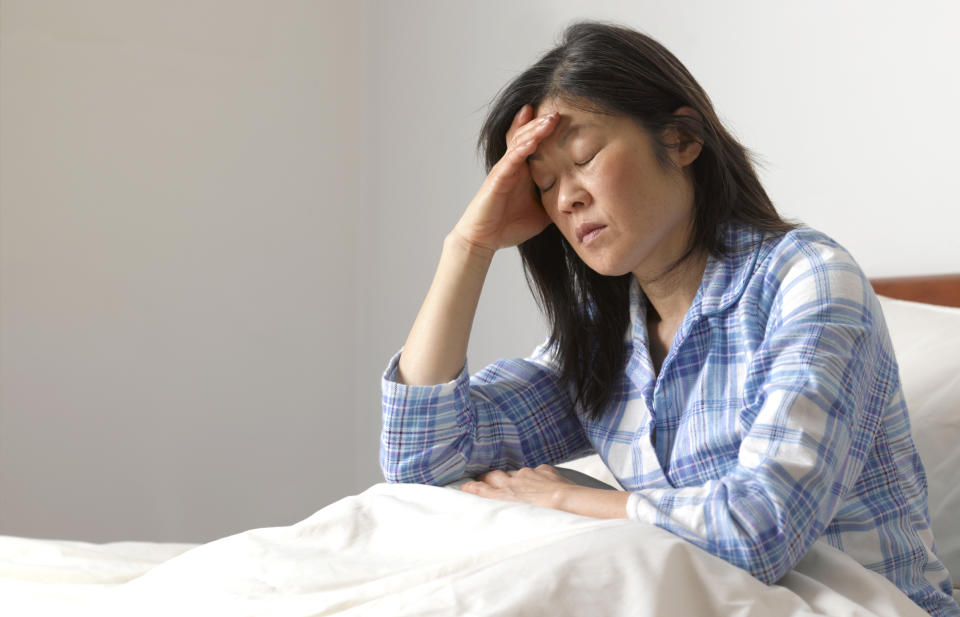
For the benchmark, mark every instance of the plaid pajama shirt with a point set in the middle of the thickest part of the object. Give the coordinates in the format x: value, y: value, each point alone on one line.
x: 778, y: 415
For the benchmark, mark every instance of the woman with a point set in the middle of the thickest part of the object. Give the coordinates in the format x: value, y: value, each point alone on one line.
x: 732, y: 370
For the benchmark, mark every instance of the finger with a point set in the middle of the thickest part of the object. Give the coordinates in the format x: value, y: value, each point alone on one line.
x: 513, y: 163
x: 488, y: 492
x: 549, y: 471
x: 541, y: 125
x: 519, y: 119
x: 504, y: 175
x: 537, y: 128
x: 477, y: 488
x: 523, y: 145
x: 523, y: 115
x: 495, y: 478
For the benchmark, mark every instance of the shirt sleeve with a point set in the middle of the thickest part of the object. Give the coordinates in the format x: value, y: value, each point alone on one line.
x: 813, y: 398
x: 514, y: 413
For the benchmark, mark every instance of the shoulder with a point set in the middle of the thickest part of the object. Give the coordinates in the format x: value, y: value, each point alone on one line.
x: 804, y: 249
x: 802, y: 267
x: 807, y: 271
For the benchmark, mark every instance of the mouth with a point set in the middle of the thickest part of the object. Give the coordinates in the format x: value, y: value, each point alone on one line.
x: 588, y: 231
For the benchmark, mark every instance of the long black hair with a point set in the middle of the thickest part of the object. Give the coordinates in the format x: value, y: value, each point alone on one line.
x: 611, y: 69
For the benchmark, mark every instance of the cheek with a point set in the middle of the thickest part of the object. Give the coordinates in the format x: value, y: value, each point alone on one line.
x: 641, y: 187
x: 617, y: 182
x: 619, y: 167
x: 550, y: 207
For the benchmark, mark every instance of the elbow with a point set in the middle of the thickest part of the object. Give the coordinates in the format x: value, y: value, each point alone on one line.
x: 770, y: 572
x: 766, y: 556
x: 416, y: 473
x: 393, y: 473
x: 760, y: 543
x: 404, y: 474
x: 401, y: 470
x: 396, y: 467
x: 400, y: 467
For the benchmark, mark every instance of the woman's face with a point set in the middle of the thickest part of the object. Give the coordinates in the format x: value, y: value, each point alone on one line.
x: 602, y: 186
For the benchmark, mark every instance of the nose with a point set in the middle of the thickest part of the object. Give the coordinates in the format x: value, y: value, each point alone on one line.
x: 572, y: 196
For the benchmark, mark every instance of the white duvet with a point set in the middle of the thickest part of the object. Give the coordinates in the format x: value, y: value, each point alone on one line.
x: 397, y: 550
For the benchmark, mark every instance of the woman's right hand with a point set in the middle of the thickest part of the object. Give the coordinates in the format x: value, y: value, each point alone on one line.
x: 507, y: 210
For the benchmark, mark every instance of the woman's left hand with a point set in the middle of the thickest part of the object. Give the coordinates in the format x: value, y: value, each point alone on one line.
x: 540, y: 486
x: 544, y: 486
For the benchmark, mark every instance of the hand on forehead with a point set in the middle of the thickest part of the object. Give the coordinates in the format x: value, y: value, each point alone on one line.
x: 568, y: 116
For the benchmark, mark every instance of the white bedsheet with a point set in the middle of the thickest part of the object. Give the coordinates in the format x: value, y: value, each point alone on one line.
x: 397, y: 550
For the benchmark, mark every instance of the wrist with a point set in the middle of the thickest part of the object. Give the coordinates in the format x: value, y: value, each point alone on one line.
x: 472, y: 251
x: 595, y: 502
x: 565, y: 499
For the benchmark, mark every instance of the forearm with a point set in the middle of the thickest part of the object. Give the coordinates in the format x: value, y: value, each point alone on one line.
x: 437, y: 344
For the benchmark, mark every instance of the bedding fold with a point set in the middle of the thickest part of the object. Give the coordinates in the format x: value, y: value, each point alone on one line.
x: 404, y: 549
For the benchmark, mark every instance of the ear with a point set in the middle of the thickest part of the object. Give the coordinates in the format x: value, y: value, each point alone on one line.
x: 688, y: 145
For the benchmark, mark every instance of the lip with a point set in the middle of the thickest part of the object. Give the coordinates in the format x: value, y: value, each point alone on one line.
x: 587, y: 229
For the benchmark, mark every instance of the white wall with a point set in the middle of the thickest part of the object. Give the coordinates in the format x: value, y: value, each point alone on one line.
x: 218, y: 219
x: 182, y: 184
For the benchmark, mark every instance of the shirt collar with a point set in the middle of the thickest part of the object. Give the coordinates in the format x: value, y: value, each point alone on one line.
x: 725, y: 277
x: 724, y: 280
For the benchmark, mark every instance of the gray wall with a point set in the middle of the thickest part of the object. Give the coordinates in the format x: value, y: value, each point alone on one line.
x: 218, y: 219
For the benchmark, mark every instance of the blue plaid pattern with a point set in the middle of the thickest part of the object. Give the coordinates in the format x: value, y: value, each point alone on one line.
x: 778, y: 419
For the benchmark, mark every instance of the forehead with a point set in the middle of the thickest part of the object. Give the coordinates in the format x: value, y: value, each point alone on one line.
x: 564, y: 107
x: 573, y: 121
x: 571, y: 116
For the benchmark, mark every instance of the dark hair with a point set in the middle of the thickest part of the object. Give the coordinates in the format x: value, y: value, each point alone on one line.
x: 611, y: 69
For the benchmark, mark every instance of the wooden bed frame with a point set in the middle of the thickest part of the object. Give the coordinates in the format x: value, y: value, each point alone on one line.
x: 942, y: 289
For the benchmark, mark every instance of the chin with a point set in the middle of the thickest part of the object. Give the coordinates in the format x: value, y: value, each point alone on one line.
x: 606, y: 261
x: 607, y: 269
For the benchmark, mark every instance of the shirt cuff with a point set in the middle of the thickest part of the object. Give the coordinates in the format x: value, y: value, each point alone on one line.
x: 680, y: 510
x: 640, y: 509
x: 392, y: 388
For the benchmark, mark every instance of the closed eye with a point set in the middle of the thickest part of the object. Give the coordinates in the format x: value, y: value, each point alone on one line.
x: 542, y: 191
x: 585, y: 162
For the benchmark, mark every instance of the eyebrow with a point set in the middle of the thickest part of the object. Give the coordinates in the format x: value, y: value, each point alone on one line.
x: 573, y: 128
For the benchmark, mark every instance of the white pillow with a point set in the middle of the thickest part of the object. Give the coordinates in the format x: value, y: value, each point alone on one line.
x: 926, y: 340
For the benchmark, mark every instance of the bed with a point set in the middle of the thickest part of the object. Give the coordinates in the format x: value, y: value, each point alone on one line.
x: 422, y: 550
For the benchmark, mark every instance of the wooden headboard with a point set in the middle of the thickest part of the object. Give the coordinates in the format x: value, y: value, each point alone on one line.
x: 942, y: 289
